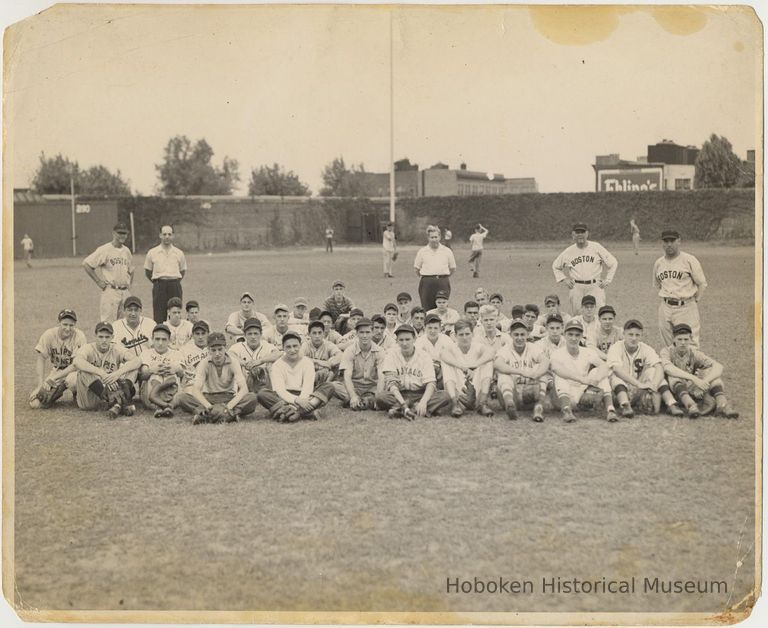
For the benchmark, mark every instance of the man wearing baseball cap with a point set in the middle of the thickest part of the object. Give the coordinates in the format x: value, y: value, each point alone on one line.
x: 404, y: 305
x: 409, y: 388
x: 275, y: 335
x: 218, y: 392
x: 338, y: 304
x: 325, y: 355
x: 680, y: 280
x: 585, y: 267
x: 607, y: 333
x: 581, y: 376
x: 194, y: 352
x: 299, y: 320
x: 588, y: 319
x: 359, y: 367
x: 349, y: 326
x: 133, y: 332
x: 100, y: 383
x: 57, y: 345
x: 255, y: 355
x: 110, y: 267
x: 447, y: 315
x: 234, y: 326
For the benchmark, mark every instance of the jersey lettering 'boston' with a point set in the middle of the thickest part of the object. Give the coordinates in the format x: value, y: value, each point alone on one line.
x: 583, y: 259
x: 672, y: 274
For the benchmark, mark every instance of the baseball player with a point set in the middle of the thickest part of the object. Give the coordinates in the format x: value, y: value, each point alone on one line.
x: 404, y: 305
x: 389, y: 248
x: 409, y: 378
x: 497, y: 301
x: 111, y: 268
x: 447, y: 315
x: 695, y: 377
x: 256, y: 355
x: 390, y: 316
x: 530, y: 316
x: 329, y: 239
x: 330, y: 333
x: 433, y: 342
x: 635, y: 230
x: 520, y: 366
x: 29, y: 247
x: 488, y: 333
x: 581, y: 376
x: 194, y: 352
x: 325, y: 355
x: 338, y: 304
x: 181, y: 329
x: 99, y: 381
x: 234, y: 326
x: 588, y: 319
x: 57, y: 345
x: 552, y: 340
x: 586, y: 267
x: 134, y: 331
x: 378, y: 337
x: 418, y: 319
x: 467, y: 367
x: 360, y: 367
x: 274, y: 335
x: 476, y: 244
x: 680, y: 280
x: 472, y: 312
x: 193, y: 311
x: 293, y: 395
x: 298, y: 320
x: 218, y: 393
x: 482, y: 297
x: 607, y: 333
x: 551, y: 307
x: 638, y: 376
x: 351, y: 322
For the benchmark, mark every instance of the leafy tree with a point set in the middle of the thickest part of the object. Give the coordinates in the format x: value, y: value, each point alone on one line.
x: 187, y: 169
x: 341, y: 181
x: 717, y: 166
x: 53, y: 177
x: 275, y: 181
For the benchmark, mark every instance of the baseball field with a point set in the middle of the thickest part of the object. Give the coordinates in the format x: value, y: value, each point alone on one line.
x: 358, y: 512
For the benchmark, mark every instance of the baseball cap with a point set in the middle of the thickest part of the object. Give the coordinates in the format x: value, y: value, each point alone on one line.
x: 607, y: 309
x: 200, y: 325
x: 324, y: 313
x: 68, y: 314
x: 246, y: 294
x: 217, y: 339
x: 121, y: 227
x: 161, y: 327
x: 633, y: 323
x: 390, y: 306
x: 290, y: 335
x: 441, y: 294
x: 251, y: 322
x: 338, y: 282
x: 363, y: 322
x: 104, y: 327
x: 404, y: 296
x: 356, y: 311
x: 191, y: 304
x: 551, y: 299
x: 554, y: 318
x: 432, y: 318
x: 315, y: 313
x: 496, y: 295
x: 517, y: 325
x: 517, y: 310
x: 587, y: 299
x: 301, y: 301
x: 670, y: 234
x: 531, y: 307
x: 281, y: 307
x: 574, y: 324
x: 580, y: 226
x: 378, y: 318
x: 132, y: 301
x: 681, y: 328
x: 316, y: 323
x: 405, y: 329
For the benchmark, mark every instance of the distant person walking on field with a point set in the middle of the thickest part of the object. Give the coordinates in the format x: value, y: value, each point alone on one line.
x: 635, y: 235
x: 389, y: 244
x: 434, y: 264
x: 28, y: 246
x: 476, y: 240
x: 165, y: 266
x: 111, y: 268
x: 329, y: 239
x: 447, y: 237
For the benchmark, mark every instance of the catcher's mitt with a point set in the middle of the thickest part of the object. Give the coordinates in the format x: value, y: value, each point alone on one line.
x: 643, y: 401
x: 48, y: 393
x: 259, y: 374
x: 219, y: 413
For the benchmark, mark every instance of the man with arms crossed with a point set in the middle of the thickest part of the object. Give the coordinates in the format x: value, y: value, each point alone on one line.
x: 111, y: 268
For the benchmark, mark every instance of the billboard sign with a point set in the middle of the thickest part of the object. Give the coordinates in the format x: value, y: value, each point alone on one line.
x: 630, y: 180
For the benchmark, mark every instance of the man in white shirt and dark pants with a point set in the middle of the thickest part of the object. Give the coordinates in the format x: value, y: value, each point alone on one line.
x: 434, y: 264
x: 165, y: 266
x: 581, y: 268
x: 389, y: 245
x: 476, y: 242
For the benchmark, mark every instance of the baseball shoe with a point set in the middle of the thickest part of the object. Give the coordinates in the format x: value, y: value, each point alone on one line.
x: 727, y: 411
x: 511, y: 412
x: 484, y: 410
x: 568, y: 416
x: 369, y: 403
x: 408, y: 414
x: 168, y: 412
x: 475, y: 275
x: 708, y: 405
x: 675, y: 410
x: 114, y: 411
x: 159, y: 413
x: 693, y: 411
x: 457, y: 410
x: 129, y: 410
x: 232, y: 418
x: 626, y: 411
x: 612, y: 416
x: 199, y: 419
x: 538, y: 413
x: 395, y: 413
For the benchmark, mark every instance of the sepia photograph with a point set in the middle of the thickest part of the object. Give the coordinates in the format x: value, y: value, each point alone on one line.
x: 363, y: 314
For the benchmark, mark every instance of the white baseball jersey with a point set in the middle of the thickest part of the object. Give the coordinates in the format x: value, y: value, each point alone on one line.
x: 116, y: 264
x: 274, y: 337
x: 191, y: 356
x: 180, y: 334
x: 678, y: 278
x: 635, y: 363
x: 136, y: 341
x: 152, y: 358
x: 585, y: 264
x: 433, y: 350
x: 580, y: 364
x: 60, y: 352
x: 244, y: 354
x: 692, y: 361
x: 530, y: 358
x: 547, y: 347
x: 410, y: 373
x: 237, y: 319
x: 108, y: 361
x: 299, y: 325
x: 604, y: 341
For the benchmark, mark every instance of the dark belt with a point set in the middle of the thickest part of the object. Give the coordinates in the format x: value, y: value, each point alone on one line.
x: 167, y: 279
x: 435, y: 276
x: 590, y: 281
x: 674, y: 301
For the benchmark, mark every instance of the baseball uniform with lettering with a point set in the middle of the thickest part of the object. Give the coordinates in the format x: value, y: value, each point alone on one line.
x: 585, y: 266
x: 678, y: 280
x: 59, y: 351
x: 116, y: 267
x: 525, y: 389
x: 639, y: 363
x: 136, y: 341
x: 108, y: 361
x: 582, y: 363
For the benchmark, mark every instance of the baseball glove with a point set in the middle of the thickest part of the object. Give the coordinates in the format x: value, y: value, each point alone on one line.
x: 643, y: 401
x: 258, y: 374
x: 286, y: 413
x: 468, y: 397
x: 394, y: 256
x: 219, y: 413
x: 48, y: 393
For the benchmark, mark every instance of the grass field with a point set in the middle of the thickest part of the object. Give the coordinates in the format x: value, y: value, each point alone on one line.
x: 356, y: 512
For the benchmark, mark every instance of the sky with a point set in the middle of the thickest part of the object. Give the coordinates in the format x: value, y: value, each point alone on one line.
x: 505, y: 89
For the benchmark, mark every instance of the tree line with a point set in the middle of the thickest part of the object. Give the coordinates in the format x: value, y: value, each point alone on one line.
x: 187, y: 169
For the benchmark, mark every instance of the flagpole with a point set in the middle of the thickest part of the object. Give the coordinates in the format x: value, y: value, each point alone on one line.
x: 391, y: 120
